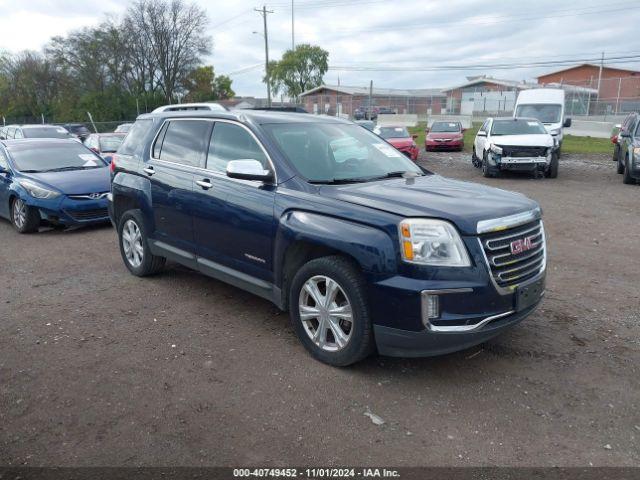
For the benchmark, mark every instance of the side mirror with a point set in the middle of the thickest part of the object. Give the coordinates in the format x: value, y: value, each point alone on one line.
x: 248, y: 170
x: 481, y: 133
x: 3, y: 170
x: 427, y: 130
x: 567, y: 122
x: 414, y: 136
x: 624, y: 133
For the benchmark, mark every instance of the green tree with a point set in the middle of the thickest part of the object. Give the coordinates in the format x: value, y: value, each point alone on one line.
x: 202, y: 85
x: 298, y: 70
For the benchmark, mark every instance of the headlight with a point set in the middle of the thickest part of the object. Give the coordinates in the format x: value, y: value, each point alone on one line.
x: 495, y: 149
x: 432, y: 242
x: 636, y: 151
x: 37, y: 191
x: 555, y: 131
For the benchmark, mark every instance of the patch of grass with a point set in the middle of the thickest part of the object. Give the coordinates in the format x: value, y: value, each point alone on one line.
x: 571, y: 143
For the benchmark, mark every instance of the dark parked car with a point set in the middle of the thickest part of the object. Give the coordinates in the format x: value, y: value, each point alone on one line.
x: 104, y: 144
x: 365, y: 113
x: 78, y: 129
x: 36, y: 131
x: 321, y: 217
x: 444, y: 136
x: 59, y: 182
x: 628, y: 149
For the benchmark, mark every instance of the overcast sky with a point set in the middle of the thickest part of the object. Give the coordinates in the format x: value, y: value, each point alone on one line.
x: 374, y: 34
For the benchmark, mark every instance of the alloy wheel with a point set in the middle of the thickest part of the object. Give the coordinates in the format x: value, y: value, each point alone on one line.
x: 132, y: 243
x: 326, y: 313
x: 19, y: 213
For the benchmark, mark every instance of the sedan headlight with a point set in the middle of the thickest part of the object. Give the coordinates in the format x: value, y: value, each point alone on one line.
x: 495, y: 149
x: 555, y: 131
x: 37, y: 191
x: 636, y: 151
x: 432, y: 242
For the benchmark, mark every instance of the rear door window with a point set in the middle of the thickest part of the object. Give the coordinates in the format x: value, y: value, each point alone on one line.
x: 185, y: 142
x: 134, y: 142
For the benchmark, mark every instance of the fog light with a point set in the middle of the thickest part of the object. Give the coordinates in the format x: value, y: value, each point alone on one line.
x: 430, y: 307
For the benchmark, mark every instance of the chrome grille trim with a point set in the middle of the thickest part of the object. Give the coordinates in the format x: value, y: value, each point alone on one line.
x: 508, y: 270
x: 503, y: 223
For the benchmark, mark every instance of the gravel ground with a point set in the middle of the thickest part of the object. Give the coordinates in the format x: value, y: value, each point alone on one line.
x: 102, y: 368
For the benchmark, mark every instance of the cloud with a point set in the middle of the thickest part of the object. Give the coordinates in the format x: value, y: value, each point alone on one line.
x: 373, y: 32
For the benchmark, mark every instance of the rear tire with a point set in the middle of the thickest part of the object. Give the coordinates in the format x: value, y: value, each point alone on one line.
x: 25, y: 219
x: 134, y: 245
x: 331, y: 294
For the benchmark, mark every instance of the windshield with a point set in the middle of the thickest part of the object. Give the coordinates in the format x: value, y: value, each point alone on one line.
x: 392, y: 132
x: 335, y: 152
x: 45, y: 132
x: 47, y: 157
x: 442, y: 127
x: 543, y: 112
x: 110, y: 144
x: 517, y: 127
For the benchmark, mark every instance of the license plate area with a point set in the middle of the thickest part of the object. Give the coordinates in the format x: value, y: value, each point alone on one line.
x: 528, y: 295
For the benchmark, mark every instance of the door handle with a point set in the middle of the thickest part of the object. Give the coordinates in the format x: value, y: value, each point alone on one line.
x: 149, y: 170
x: 205, y: 183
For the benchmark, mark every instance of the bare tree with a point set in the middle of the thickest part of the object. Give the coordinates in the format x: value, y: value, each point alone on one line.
x: 174, y: 33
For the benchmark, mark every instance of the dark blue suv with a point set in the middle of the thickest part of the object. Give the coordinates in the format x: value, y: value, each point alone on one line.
x: 365, y: 249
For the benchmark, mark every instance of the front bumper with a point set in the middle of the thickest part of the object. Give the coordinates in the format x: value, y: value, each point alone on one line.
x: 471, y: 308
x: 70, y: 212
x: 444, y: 145
x: 394, y: 342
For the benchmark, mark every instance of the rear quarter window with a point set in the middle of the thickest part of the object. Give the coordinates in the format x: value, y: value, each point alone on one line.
x: 134, y: 142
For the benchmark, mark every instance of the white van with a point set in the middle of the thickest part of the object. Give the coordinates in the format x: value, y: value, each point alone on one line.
x: 546, y: 105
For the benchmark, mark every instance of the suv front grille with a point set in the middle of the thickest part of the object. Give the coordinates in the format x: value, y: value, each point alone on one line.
x: 517, y: 152
x: 515, y: 255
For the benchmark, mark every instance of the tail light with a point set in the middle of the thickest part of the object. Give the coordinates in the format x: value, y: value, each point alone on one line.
x: 112, y: 165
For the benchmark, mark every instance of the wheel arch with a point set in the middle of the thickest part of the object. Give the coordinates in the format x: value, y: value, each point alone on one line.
x: 304, y: 236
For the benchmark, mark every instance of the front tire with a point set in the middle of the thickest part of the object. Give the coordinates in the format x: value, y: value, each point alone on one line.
x: 25, y: 219
x: 486, y: 170
x: 474, y: 159
x: 329, y: 311
x: 134, y: 245
x: 552, y: 171
x: 627, y: 179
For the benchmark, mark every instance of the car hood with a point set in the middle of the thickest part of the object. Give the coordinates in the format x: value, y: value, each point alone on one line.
x: 443, y: 135
x: 400, y: 142
x: 541, y: 140
x: 463, y: 203
x: 75, y: 182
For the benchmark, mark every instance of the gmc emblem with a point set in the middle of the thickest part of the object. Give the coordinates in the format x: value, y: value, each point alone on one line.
x: 521, y: 245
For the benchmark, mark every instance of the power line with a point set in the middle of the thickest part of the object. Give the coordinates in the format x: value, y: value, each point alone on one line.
x: 496, y: 66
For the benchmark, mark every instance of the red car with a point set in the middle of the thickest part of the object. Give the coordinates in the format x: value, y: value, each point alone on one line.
x: 444, y: 136
x: 400, y: 138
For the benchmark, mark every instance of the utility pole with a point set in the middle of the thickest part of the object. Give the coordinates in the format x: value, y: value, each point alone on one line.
x: 600, y: 75
x: 370, y: 97
x: 263, y: 11
x: 293, y: 29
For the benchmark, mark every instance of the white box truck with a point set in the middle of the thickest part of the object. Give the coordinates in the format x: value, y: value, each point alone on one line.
x: 547, y: 106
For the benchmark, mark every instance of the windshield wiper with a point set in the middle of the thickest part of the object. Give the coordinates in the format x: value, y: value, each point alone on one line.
x: 338, y: 181
x: 398, y: 174
x: 64, y: 169
x: 30, y: 171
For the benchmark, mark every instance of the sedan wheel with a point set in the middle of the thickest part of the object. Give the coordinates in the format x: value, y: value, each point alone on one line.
x: 326, y: 314
x: 132, y: 243
x: 19, y: 213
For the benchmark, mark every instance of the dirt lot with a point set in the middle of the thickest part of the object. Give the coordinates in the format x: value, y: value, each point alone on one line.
x: 98, y: 367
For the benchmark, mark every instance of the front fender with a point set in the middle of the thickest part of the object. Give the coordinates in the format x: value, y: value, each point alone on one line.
x: 371, y: 247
